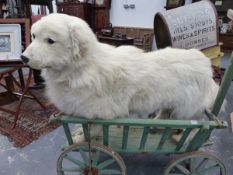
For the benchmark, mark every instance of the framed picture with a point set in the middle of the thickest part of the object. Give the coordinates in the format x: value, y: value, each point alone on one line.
x: 174, y: 3
x: 10, y: 42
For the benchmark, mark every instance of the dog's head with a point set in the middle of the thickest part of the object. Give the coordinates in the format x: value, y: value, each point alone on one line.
x: 58, y: 40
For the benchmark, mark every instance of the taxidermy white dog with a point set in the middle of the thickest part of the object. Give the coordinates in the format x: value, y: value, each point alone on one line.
x: 87, y: 78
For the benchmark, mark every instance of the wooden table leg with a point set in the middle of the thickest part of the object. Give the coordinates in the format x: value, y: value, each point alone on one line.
x: 21, y: 79
x: 25, y: 91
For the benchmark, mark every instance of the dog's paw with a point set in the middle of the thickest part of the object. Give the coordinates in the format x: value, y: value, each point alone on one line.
x: 78, y: 135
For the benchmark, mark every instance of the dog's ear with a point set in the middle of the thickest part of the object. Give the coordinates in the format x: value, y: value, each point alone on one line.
x: 74, y: 41
x: 81, y: 37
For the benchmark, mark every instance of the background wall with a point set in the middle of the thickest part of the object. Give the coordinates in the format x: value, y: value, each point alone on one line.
x: 141, y: 16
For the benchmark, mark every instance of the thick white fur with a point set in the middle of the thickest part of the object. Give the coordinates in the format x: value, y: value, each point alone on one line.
x: 87, y: 78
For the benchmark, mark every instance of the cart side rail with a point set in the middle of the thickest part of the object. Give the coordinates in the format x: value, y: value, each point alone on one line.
x: 159, y: 144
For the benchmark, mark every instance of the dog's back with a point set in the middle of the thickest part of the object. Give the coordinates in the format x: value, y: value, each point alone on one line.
x: 178, y: 80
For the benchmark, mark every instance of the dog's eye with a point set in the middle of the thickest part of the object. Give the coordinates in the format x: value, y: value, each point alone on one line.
x: 50, y: 41
x: 33, y: 36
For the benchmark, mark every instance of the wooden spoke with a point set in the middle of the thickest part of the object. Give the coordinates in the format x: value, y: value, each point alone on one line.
x: 90, y: 163
x: 182, y: 169
x: 106, y: 163
x: 71, y: 169
x: 195, y: 163
x: 201, y: 164
x: 84, y: 155
x: 75, y: 161
x: 95, y: 158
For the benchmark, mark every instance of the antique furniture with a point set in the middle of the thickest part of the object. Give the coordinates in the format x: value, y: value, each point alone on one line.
x: 81, y: 10
x: 227, y: 41
x: 143, y: 37
x: 96, y: 15
x: 21, y: 92
x: 101, y: 15
x: 226, y: 38
x: 115, y: 40
x: 8, y: 67
x: 132, y: 135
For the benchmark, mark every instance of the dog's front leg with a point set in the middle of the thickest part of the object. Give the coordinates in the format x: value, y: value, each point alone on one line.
x: 163, y: 114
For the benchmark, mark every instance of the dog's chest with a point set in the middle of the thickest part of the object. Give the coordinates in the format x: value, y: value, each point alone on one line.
x: 68, y: 100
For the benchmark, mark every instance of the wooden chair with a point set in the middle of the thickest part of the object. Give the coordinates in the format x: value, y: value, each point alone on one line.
x: 23, y: 92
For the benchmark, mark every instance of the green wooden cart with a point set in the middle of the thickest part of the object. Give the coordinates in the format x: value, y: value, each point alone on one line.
x: 99, y: 155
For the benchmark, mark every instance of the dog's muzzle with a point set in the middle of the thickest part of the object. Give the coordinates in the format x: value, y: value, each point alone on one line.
x: 24, y: 59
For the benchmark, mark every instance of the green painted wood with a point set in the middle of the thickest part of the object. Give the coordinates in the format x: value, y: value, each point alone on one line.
x: 105, y: 164
x: 183, y: 138
x: 183, y: 169
x: 142, y: 122
x: 190, y: 164
x: 201, y: 136
x: 164, y: 137
x: 144, y: 138
x: 210, y: 115
x: 71, y: 170
x: 85, y: 131
x: 74, y: 160
x: 68, y: 133
x: 95, y: 158
x: 227, y: 79
x: 131, y: 142
x: 106, y: 134
x: 125, y: 137
x: 134, y: 139
x: 201, y: 164
x: 84, y: 156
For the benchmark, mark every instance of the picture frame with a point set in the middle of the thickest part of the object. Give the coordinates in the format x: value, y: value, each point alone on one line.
x: 10, y: 42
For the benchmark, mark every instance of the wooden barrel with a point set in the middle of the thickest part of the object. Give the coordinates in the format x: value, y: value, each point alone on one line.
x: 190, y: 26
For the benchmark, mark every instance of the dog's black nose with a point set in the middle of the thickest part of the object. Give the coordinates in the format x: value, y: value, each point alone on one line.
x: 24, y: 59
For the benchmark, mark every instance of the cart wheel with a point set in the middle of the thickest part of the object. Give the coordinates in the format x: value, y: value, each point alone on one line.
x: 100, y: 160
x: 196, y: 163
